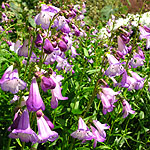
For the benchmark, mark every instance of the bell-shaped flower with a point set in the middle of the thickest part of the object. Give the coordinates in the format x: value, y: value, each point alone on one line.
x: 126, y: 109
x: 23, y: 130
x: 139, y: 80
x: 56, y: 93
x: 101, y: 127
x: 136, y: 61
x: 15, y: 46
x: 98, y: 137
x: 23, y: 50
x: 145, y: 33
x: 44, y: 131
x: 10, y: 81
x: 122, y: 48
x: 15, y: 121
x: 66, y: 28
x: 47, y: 83
x: 43, y: 19
x: 34, y: 101
x: 115, y: 68
x: 83, y: 132
x: 6, y: 74
x: 51, y: 58
x: 107, y: 97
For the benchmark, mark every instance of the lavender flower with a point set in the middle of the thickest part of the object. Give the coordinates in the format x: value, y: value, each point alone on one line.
x: 83, y: 132
x: 56, y: 92
x: 101, y: 127
x: 126, y: 109
x: 34, y: 101
x: 23, y: 50
x: 98, y: 137
x: 115, y: 68
x: 44, y: 131
x: 107, y: 97
x: 10, y: 81
x: 23, y: 130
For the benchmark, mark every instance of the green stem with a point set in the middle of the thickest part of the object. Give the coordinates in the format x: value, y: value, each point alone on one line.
x: 23, y: 145
x: 9, y: 142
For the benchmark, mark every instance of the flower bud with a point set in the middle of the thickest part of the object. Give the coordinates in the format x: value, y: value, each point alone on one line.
x: 47, y: 83
x: 48, y: 47
x: 62, y: 45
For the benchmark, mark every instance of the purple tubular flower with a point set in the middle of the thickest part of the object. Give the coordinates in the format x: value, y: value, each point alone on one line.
x: 38, y: 41
x: 47, y: 83
x: 44, y: 18
x: 101, y: 127
x: 97, y: 137
x: 56, y: 94
x: 122, y: 48
x: 83, y: 132
x: 139, y: 80
x: 145, y: 33
x: 107, y: 97
x: 125, y: 38
x: 3, y: 5
x: 23, y: 130
x: 44, y: 131
x: 34, y: 101
x: 15, y: 121
x: 23, y: 50
x: 62, y: 45
x: 66, y: 28
x: 126, y: 109
x: 48, y: 47
x: 115, y: 68
x: 50, y: 124
x: 136, y: 61
x: 15, y: 46
x: 6, y: 74
x: 10, y: 81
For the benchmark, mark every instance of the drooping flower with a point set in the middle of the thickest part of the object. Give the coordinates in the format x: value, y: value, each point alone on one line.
x: 10, y: 81
x: 108, y: 99
x: 23, y: 50
x: 83, y: 132
x: 43, y: 19
x: 115, y: 68
x: 139, y: 80
x: 98, y: 137
x: 101, y: 127
x: 15, y: 46
x: 47, y: 83
x: 56, y: 92
x: 145, y: 34
x: 126, y: 109
x: 48, y: 47
x: 122, y: 48
x: 23, y: 129
x: 136, y: 61
x: 44, y: 131
x: 34, y: 101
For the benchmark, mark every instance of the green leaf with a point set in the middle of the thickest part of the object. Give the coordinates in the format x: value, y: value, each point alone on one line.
x: 18, y: 141
x: 32, y: 22
x: 86, y: 52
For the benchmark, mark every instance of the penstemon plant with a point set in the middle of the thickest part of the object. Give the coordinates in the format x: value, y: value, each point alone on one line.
x: 69, y: 84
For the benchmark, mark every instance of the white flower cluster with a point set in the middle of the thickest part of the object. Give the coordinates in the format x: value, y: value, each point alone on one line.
x: 130, y: 18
